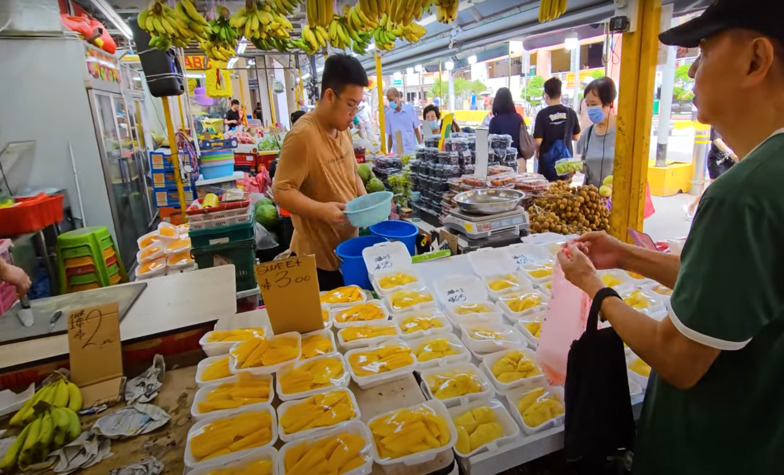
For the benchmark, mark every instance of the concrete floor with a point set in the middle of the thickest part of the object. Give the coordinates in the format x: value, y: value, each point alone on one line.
x: 668, y: 222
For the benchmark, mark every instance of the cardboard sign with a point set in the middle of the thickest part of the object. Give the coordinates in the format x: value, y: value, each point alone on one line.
x: 291, y: 294
x: 399, y: 143
x: 95, y: 352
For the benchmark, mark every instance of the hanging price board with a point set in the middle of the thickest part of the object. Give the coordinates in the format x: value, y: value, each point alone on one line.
x: 291, y: 294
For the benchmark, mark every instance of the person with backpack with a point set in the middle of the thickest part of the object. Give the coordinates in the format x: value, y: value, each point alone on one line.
x: 555, y: 128
x: 597, y: 144
x: 507, y: 121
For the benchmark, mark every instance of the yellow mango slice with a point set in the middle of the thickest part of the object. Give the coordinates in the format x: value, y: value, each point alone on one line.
x: 409, y: 431
x: 316, y: 345
x: 366, y: 331
x: 218, y: 369
x: 640, y: 367
x: 362, y: 312
x: 469, y: 308
x: 395, y: 280
x: 347, y: 294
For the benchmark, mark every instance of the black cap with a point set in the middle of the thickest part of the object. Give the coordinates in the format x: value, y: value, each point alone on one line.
x: 764, y: 16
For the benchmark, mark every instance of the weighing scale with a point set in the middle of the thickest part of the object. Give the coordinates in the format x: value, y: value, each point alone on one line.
x: 476, y: 226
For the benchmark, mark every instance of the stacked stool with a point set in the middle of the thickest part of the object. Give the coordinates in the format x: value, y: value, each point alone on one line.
x: 87, y: 259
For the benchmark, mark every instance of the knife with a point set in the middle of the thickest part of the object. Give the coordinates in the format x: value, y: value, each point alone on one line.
x: 54, y: 319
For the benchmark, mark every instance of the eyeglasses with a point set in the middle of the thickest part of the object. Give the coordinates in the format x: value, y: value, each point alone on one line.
x: 351, y: 109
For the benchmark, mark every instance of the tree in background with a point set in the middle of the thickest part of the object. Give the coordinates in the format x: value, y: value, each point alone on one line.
x: 463, y: 89
x: 533, y: 92
x: 682, y: 90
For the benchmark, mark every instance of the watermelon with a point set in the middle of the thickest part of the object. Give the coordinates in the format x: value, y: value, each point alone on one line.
x: 267, y: 216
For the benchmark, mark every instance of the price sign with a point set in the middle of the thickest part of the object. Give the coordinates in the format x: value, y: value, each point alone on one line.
x: 291, y: 294
x: 95, y: 352
x: 456, y: 295
x: 382, y: 262
x: 522, y: 259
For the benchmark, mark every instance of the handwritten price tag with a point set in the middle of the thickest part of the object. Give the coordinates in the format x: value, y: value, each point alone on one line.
x: 290, y: 291
x: 522, y: 259
x: 382, y: 262
x: 456, y: 295
x: 94, y: 344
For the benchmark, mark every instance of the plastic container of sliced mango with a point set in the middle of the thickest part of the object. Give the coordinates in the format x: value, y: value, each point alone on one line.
x: 411, y: 445
x: 359, y: 313
x: 306, y: 418
x: 346, y: 295
x: 389, y: 360
x: 370, y: 334
x: 421, y: 324
x: 308, y: 377
x: 523, y: 254
x: 355, y: 458
x: 530, y: 329
x: 513, y: 368
x: 214, y: 369
x: 410, y: 300
x: 226, y: 438
x: 245, y: 392
x: 645, y: 302
x: 265, y: 355
x: 485, y: 338
x: 617, y: 279
x: 318, y: 343
x: 326, y: 317
x: 389, y: 268
x: 219, y: 342
x: 548, y: 412
x: 459, y: 383
x: 639, y: 370
x: 498, y: 272
x: 499, y: 428
x: 521, y: 304
x: 439, y: 350
x: 538, y: 273
x: 263, y: 461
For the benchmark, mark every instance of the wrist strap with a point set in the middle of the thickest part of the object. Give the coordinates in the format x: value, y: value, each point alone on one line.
x: 596, y: 307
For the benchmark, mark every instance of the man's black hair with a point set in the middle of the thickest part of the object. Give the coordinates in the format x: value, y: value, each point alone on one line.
x: 604, y: 88
x: 503, y: 102
x: 341, y: 70
x: 552, y: 87
x: 235, y: 102
x: 431, y: 107
x: 296, y: 115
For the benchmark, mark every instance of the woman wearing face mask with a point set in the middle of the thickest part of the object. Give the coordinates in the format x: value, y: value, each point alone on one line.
x: 597, y: 144
x: 432, y: 123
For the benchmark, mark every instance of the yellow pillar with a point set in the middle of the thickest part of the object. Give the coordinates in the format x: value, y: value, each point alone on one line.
x: 272, y: 105
x: 180, y: 98
x: 633, y: 129
x: 174, y: 158
x: 301, y: 88
x: 379, y: 86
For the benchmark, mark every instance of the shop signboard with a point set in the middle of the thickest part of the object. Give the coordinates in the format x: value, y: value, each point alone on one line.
x: 101, y: 66
x: 397, y: 82
x: 197, y: 63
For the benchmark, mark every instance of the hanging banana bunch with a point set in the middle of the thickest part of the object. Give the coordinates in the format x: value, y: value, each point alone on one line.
x: 268, y: 44
x: 188, y: 18
x: 403, y: 12
x: 550, y: 10
x: 338, y: 33
x: 283, y: 7
x: 446, y: 10
x: 358, y: 21
x: 319, y: 12
x: 223, y: 38
x: 316, y: 38
x: 160, y: 22
x: 386, y: 33
x: 413, y: 32
x: 375, y: 9
x: 247, y: 20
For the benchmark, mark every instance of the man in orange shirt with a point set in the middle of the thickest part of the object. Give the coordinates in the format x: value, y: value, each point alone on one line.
x: 317, y: 171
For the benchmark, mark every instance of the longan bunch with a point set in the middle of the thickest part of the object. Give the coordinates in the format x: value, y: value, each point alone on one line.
x: 569, y: 210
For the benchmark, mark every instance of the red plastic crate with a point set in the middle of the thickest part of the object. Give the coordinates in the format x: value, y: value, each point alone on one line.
x: 245, y: 160
x: 31, y: 214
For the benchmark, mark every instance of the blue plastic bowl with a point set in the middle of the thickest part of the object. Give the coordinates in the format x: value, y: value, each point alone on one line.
x: 369, y: 209
x: 402, y: 231
x: 217, y: 170
x: 352, y: 264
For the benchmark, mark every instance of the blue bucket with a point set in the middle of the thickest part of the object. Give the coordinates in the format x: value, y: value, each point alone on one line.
x: 402, y: 231
x: 352, y: 265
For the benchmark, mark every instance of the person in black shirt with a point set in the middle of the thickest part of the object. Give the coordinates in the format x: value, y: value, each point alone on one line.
x: 555, y: 128
x: 257, y: 112
x: 232, y: 119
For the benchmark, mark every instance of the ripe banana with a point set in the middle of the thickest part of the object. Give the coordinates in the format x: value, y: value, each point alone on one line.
x: 75, y: 400
x: 46, y: 434
x: 12, y: 453
x: 27, y: 455
x: 446, y: 10
x: 60, y: 394
x: 551, y: 9
x: 169, y: 24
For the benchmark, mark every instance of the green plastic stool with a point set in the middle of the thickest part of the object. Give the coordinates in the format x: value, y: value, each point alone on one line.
x: 89, y: 241
x: 84, y: 279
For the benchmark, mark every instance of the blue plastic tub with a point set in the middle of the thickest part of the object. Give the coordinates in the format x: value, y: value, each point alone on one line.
x: 217, y: 170
x: 352, y: 265
x: 402, y: 231
x: 369, y: 209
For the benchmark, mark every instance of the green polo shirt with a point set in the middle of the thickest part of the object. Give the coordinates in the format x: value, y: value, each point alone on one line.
x: 730, y: 296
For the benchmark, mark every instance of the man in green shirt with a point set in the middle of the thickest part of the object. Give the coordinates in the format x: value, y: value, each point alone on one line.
x: 715, y: 400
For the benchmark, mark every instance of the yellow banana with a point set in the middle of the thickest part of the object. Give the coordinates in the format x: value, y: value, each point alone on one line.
x: 46, y: 433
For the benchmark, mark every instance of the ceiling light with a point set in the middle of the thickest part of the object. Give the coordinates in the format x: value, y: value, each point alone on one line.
x: 472, y: 59
x: 572, y: 41
x: 449, y: 65
x: 113, y: 17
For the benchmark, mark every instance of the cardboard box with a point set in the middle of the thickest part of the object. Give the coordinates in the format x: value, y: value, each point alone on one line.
x: 168, y: 196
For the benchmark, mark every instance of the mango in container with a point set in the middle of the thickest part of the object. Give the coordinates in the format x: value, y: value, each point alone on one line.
x: 504, y: 282
x: 179, y: 244
x: 168, y: 230
x: 366, y: 331
x: 539, y: 406
x: 395, y: 280
x: 320, y: 410
x: 243, y: 431
x: 325, y: 316
x: 408, y: 298
x: 522, y: 301
x: 635, y: 275
x: 179, y: 258
x: 419, y: 322
x: 476, y: 428
x: 409, y: 431
x: 485, y: 334
x: 662, y: 290
x: 256, y: 467
x: 638, y: 300
x: 334, y: 454
x: 147, y: 240
x: 514, y: 365
x: 381, y: 360
x: 246, y: 390
x: 453, y: 384
x: 640, y: 367
x: 218, y: 369
x: 541, y: 272
x: 316, y: 344
x: 469, y: 308
x: 240, y: 334
x: 259, y: 351
x: 610, y: 280
x: 312, y: 374
x: 535, y: 328
x: 153, y: 251
x: 361, y: 312
x: 435, y: 349
x: 347, y: 294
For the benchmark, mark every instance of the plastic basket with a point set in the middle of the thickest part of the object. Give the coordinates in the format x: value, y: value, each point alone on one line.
x: 241, y: 253
x: 203, y: 237
x: 402, y: 231
x: 31, y: 214
x: 219, y: 169
x: 369, y: 209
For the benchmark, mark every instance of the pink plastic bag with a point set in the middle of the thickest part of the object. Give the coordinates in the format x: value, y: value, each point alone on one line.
x: 563, y: 323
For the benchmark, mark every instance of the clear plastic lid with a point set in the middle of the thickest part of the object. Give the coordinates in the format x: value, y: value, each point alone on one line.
x: 454, y: 382
x: 317, y: 343
x: 510, y: 366
x: 311, y: 375
x: 270, y: 352
x: 491, y: 261
x: 347, y: 449
x: 385, y: 358
x: 209, y: 439
x: 437, y: 347
x: 321, y: 410
x: 403, y: 300
x: 343, y: 295
x: 363, y: 332
x: 458, y: 289
x: 400, y: 434
x: 386, y: 256
x: 372, y: 310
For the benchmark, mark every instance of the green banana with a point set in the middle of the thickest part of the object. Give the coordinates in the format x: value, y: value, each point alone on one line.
x: 60, y: 394
x: 74, y: 427
x: 46, y: 434
x: 12, y: 453
x: 31, y: 439
x: 60, y: 420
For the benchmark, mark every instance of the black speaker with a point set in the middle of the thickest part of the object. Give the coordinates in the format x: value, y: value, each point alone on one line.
x: 161, y: 68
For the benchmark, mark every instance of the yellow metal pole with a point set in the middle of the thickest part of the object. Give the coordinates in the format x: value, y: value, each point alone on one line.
x: 301, y: 87
x: 174, y: 158
x: 182, y: 116
x: 272, y: 106
x: 633, y: 128
x: 379, y: 86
